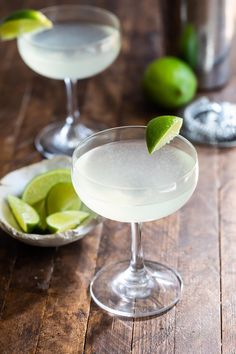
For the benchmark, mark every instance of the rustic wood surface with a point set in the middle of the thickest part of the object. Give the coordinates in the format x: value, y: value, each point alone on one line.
x: 45, y: 306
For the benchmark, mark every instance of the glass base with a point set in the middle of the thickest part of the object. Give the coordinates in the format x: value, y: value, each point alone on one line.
x: 151, y: 291
x: 61, y: 138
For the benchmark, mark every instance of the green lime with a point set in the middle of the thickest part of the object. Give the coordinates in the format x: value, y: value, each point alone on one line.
x: 41, y: 210
x: 25, y: 215
x: 189, y: 45
x: 169, y: 82
x: 65, y: 220
x: 23, y: 21
x: 38, y: 187
x: 161, y: 130
x: 62, y: 197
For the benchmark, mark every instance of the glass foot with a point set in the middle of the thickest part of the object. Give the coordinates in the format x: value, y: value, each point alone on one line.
x: 152, y: 291
x: 62, y: 139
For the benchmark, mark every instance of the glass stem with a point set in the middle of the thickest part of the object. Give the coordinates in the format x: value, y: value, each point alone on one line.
x: 136, y: 263
x: 72, y: 102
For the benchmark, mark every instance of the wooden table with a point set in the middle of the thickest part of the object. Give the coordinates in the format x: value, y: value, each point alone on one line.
x: 45, y: 306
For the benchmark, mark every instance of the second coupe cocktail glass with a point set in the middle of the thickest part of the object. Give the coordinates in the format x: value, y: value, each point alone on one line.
x: 83, y: 42
x: 116, y: 177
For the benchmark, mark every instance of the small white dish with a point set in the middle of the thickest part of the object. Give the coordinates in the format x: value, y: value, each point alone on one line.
x: 14, y: 183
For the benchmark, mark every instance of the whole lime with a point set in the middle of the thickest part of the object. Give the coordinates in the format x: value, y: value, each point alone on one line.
x: 169, y: 82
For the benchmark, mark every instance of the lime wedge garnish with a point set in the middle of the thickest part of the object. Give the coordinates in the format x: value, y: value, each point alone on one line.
x: 24, y: 214
x: 161, y: 130
x: 23, y: 21
x: 65, y: 220
x: 62, y: 197
x: 38, y: 188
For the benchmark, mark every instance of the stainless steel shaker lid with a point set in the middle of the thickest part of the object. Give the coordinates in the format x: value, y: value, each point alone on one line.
x: 210, y: 122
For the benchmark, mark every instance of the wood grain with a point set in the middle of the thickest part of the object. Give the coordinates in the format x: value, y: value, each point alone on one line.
x: 156, y: 335
x: 25, y: 300
x: 107, y: 334
x: 227, y: 173
x: 198, y: 322
x: 68, y: 301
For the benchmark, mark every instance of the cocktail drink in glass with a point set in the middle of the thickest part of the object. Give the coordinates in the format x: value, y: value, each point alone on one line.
x: 117, y: 178
x: 83, y: 42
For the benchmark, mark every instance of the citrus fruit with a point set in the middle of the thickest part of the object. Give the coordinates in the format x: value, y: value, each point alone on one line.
x: 62, y: 197
x: 41, y: 210
x: 189, y: 45
x: 169, y: 82
x: 25, y: 215
x: 161, y: 130
x: 23, y: 21
x: 65, y: 220
x: 38, y: 187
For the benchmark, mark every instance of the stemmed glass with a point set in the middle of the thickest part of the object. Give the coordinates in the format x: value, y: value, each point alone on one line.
x: 116, y: 177
x: 84, y: 41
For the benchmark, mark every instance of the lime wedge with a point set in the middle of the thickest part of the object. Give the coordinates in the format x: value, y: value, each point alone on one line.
x: 25, y: 215
x: 38, y: 187
x: 62, y: 197
x: 23, y: 21
x: 161, y: 130
x: 41, y: 210
x: 65, y: 220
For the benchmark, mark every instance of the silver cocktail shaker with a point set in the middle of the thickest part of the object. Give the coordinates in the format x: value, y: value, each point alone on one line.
x: 201, y: 32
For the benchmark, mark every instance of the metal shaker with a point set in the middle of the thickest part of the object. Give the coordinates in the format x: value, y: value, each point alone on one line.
x: 201, y: 32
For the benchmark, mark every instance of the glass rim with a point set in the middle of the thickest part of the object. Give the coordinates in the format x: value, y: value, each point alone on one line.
x: 167, y: 186
x: 29, y: 37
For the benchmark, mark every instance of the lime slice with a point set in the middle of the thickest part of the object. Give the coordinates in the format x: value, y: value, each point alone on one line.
x: 41, y: 210
x: 65, y: 220
x: 38, y: 188
x: 161, y: 130
x: 23, y: 21
x: 25, y: 215
x: 62, y: 197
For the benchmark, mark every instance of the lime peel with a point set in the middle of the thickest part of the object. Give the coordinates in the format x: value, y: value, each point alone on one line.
x: 161, y: 130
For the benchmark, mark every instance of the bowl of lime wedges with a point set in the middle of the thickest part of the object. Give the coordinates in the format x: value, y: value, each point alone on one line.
x: 39, y: 206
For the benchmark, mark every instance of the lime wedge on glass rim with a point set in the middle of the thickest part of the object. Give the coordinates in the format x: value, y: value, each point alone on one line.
x: 65, y: 220
x: 25, y: 215
x: 23, y: 21
x: 161, y: 130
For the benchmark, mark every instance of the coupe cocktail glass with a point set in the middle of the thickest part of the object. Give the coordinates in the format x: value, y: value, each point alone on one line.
x: 84, y: 41
x: 117, y: 178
